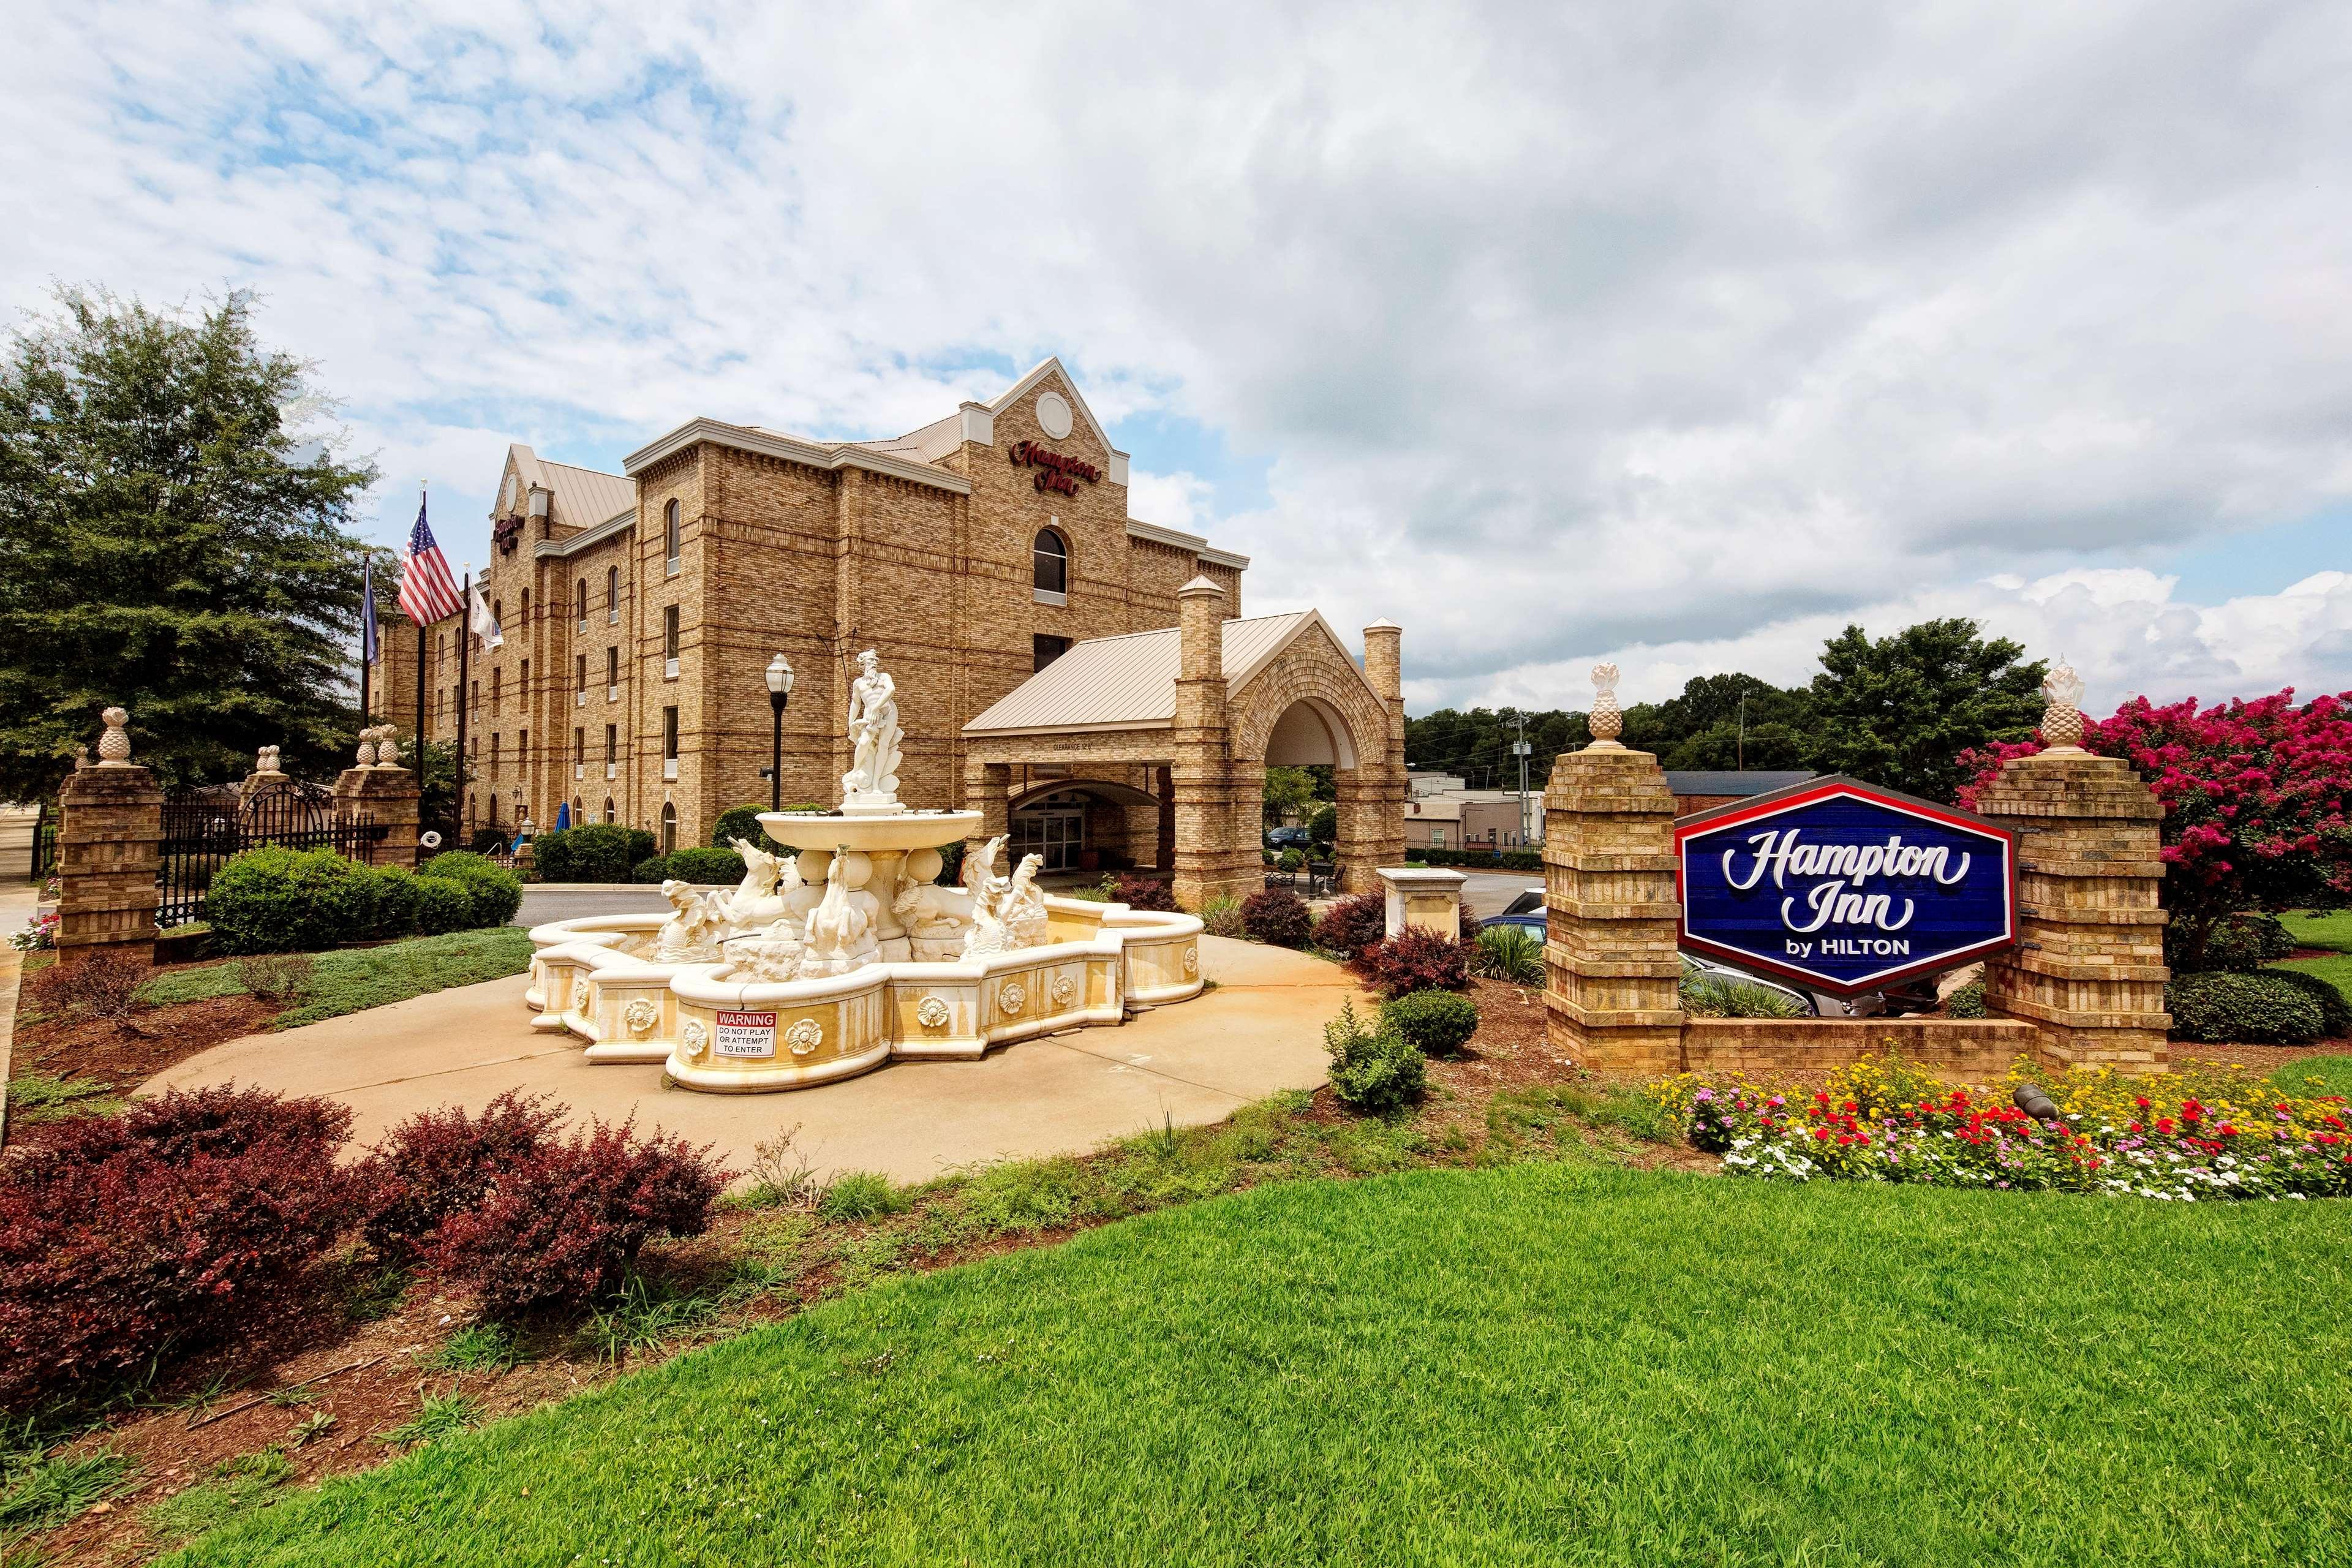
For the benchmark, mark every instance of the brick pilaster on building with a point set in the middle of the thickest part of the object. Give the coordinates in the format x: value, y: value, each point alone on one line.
x: 2089, y: 972
x: 109, y: 846
x: 1371, y: 795
x: 1612, y: 997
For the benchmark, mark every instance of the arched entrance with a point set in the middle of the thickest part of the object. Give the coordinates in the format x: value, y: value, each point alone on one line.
x: 1085, y: 824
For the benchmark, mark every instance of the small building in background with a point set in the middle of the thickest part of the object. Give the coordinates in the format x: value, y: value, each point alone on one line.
x: 1471, y: 819
x: 1702, y: 789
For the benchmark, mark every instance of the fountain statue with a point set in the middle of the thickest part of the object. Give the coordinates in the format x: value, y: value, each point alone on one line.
x: 832, y: 958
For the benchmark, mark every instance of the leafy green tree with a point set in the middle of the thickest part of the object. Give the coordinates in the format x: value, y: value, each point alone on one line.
x: 171, y: 542
x: 1288, y: 793
x: 1900, y: 709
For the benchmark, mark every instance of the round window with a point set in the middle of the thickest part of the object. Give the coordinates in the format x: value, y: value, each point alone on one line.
x: 1054, y: 414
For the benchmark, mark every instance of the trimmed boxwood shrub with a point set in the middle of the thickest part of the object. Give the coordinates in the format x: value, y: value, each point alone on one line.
x: 1434, y: 1023
x: 395, y: 899
x: 1352, y: 924
x: 1966, y: 1001
x: 129, y: 1239
x: 1277, y: 917
x: 1376, y: 1072
x: 444, y: 904
x: 2259, y: 1009
x: 496, y: 894
x: 707, y: 868
x: 273, y: 900
x: 2335, y: 1012
x: 655, y: 869
x: 595, y: 852
x: 2241, y: 944
x: 1488, y: 859
x: 1416, y: 959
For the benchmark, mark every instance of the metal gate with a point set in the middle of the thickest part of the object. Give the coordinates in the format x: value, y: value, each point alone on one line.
x: 203, y: 828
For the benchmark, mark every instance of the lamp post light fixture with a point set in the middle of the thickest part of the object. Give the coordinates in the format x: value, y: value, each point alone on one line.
x: 780, y: 691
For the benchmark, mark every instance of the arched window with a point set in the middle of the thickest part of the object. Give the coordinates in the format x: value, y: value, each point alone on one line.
x: 1051, y: 556
x: 669, y: 829
x: 499, y: 611
x: 611, y: 595
x: 608, y: 809
x: 526, y: 606
x: 582, y: 602
x: 669, y: 539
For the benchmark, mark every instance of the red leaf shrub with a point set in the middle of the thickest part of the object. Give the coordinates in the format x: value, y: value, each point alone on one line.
x: 2257, y: 803
x: 1416, y: 959
x: 126, y: 1239
x: 440, y: 1163
x: 1469, y: 918
x: 1352, y: 924
x: 560, y: 1228
x: 1143, y: 893
x: 1277, y: 917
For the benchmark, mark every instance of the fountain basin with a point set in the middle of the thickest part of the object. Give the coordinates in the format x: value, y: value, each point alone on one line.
x: 870, y: 834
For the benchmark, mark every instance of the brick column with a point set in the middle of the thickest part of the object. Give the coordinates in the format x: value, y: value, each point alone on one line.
x: 1613, y: 998
x: 2090, y: 971
x: 1371, y: 795
x: 109, y: 844
x: 389, y: 796
x: 988, y: 790
x: 1209, y: 838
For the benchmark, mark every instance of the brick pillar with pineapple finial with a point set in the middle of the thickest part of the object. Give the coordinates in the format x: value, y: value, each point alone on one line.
x: 110, y: 848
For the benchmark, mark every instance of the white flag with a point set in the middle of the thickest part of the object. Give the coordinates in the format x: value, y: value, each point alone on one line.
x: 485, y: 625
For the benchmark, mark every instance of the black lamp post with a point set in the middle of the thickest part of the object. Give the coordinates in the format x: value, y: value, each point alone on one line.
x: 780, y: 691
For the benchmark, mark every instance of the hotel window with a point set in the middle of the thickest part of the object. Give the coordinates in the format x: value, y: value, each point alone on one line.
x: 522, y: 682
x: 474, y: 698
x: 669, y: 829
x: 1043, y: 651
x: 611, y: 674
x: 523, y: 748
x: 611, y: 595
x: 579, y: 681
x: 612, y: 751
x: 670, y: 743
x: 499, y: 611
x: 580, y: 752
x: 497, y: 677
x: 669, y: 643
x: 525, y: 608
x: 608, y: 808
x: 669, y: 540
x: 494, y: 754
x: 581, y: 603
x: 1050, y: 558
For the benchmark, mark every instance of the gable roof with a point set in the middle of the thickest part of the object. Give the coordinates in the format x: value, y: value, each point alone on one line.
x: 1129, y: 683
x: 583, y: 498
x: 1051, y: 365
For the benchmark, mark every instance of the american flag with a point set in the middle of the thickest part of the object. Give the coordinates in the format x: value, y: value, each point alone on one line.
x: 427, y: 591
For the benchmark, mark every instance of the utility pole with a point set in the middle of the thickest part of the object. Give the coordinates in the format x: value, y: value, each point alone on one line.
x: 1743, y: 733
x: 1519, y: 749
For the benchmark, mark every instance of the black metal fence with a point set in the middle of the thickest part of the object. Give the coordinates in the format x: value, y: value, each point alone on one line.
x: 44, y: 856
x: 204, y: 827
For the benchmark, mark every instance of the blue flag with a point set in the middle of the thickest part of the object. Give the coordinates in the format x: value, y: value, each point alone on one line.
x: 367, y: 608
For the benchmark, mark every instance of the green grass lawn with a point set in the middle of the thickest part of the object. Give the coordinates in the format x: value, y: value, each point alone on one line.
x: 2333, y: 1072
x: 1533, y: 1365
x: 354, y: 978
x: 2333, y: 931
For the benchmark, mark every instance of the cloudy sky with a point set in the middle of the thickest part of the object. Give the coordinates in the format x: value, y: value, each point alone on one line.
x: 1680, y: 334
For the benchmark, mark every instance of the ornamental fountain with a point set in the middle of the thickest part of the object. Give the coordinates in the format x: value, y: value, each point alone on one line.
x: 849, y: 953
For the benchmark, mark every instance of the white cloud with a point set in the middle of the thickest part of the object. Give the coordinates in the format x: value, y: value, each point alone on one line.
x: 1676, y: 330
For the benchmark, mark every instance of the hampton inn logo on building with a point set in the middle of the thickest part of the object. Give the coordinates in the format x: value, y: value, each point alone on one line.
x: 1845, y: 886
x: 1054, y: 472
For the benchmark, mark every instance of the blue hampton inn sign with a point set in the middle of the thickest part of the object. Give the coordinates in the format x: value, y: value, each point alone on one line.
x: 1844, y: 887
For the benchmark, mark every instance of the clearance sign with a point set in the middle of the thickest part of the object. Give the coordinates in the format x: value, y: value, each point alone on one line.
x: 1846, y: 887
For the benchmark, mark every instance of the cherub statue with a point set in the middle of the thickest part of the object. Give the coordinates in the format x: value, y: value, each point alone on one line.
x: 691, y: 933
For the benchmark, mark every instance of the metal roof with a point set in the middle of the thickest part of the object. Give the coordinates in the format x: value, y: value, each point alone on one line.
x: 1129, y: 683
x: 1727, y: 782
x: 583, y: 498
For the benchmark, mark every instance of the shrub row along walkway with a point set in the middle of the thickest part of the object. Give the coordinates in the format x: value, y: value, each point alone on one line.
x: 1259, y: 1031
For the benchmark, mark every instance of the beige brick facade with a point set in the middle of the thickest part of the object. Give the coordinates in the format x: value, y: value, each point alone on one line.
x: 923, y: 549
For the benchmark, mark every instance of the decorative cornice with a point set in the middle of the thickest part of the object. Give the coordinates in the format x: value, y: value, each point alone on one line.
x: 585, y: 539
x: 1179, y: 540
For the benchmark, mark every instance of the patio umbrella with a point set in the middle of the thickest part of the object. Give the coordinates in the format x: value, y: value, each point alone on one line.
x: 562, y: 816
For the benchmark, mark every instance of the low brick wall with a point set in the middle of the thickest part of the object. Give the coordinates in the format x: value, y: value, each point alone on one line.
x: 1972, y: 1048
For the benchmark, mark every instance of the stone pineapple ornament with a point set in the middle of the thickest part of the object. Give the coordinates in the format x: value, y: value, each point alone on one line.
x: 1607, y: 719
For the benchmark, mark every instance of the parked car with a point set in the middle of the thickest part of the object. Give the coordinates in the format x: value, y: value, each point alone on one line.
x: 1280, y: 838
x: 1527, y: 910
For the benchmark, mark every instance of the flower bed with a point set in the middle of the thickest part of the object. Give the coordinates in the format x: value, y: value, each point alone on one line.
x: 2207, y: 1132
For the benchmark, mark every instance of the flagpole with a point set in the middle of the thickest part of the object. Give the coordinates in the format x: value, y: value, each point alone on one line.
x: 367, y: 596
x: 465, y: 650
x: 420, y: 670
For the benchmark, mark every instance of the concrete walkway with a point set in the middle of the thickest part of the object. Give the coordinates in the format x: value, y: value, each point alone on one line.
x: 1260, y: 1030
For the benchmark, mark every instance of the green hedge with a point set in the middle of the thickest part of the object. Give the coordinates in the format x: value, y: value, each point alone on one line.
x: 593, y: 852
x: 2259, y: 1009
x: 2335, y: 1011
x: 1434, y: 1023
x: 709, y: 868
x: 273, y: 900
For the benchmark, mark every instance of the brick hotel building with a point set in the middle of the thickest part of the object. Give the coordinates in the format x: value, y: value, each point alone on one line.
x: 641, y: 608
